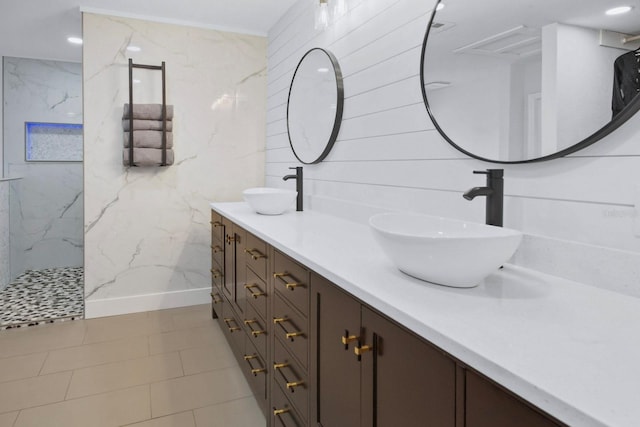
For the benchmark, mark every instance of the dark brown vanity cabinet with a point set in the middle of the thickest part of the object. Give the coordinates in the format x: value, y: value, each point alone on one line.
x: 373, y: 372
x: 316, y: 356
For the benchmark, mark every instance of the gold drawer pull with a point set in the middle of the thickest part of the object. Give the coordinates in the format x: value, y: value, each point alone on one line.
x: 277, y: 412
x: 346, y: 339
x: 228, y: 320
x: 216, y: 273
x: 291, y: 385
x: 256, y: 332
x: 232, y: 239
x: 216, y: 249
x: 289, y: 285
x: 255, y: 295
x: 215, y: 298
x: 255, y: 254
x: 288, y: 335
x: 254, y: 371
x: 216, y: 224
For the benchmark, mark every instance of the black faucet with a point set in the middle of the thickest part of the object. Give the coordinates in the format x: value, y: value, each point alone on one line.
x: 298, y: 177
x: 494, y: 191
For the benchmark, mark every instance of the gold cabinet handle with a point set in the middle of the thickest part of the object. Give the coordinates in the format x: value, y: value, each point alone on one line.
x: 277, y: 412
x: 215, y: 249
x: 256, y: 332
x: 287, y: 284
x: 359, y: 351
x: 231, y: 238
x: 216, y: 273
x: 289, y: 384
x: 255, y: 254
x: 346, y: 339
x: 254, y: 371
x: 216, y: 224
x: 288, y: 335
x: 255, y: 295
x: 228, y: 320
x: 215, y: 298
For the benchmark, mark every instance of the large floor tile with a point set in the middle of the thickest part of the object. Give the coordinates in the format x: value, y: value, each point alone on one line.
x: 183, y: 419
x: 203, y: 359
x: 15, y: 368
x: 183, y: 339
x: 6, y: 420
x: 103, y: 410
x: 35, y: 339
x: 95, y: 354
x: 34, y: 391
x: 124, y: 374
x: 119, y: 327
x: 197, y: 391
x: 238, y: 413
x: 182, y: 317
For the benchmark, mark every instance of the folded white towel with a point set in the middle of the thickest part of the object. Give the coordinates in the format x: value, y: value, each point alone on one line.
x: 147, y: 139
x: 146, y: 125
x: 147, y: 111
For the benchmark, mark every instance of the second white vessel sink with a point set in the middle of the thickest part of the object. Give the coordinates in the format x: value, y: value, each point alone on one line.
x: 269, y: 201
x: 444, y: 251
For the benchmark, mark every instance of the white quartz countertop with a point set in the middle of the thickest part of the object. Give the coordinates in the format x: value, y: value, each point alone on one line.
x: 572, y: 350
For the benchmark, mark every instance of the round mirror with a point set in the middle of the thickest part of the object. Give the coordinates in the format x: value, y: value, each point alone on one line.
x: 314, y: 107
x: 529, y: 80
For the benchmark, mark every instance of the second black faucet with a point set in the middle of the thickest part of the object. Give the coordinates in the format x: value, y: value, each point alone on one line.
x: 298, y: 178
x: 494, y: 192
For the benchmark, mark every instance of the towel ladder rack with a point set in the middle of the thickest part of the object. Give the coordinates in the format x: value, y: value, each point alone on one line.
x: 164, y: 109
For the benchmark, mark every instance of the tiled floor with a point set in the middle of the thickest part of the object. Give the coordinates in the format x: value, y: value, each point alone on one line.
x: 43, y: 296
x: 156, y: 369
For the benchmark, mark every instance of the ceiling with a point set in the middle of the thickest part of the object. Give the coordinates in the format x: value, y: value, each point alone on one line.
x: 39, y: 28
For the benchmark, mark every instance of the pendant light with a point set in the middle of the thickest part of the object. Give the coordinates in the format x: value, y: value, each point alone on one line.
x: 322, y: 14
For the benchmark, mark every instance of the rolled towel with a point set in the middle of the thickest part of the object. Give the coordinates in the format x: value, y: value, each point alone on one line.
x: 146, y: 124
x: 147, y: 111
x: 146, y: 157
x: 147, y: 139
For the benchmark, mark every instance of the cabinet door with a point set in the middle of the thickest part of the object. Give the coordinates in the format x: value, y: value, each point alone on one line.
x: 405, y: 381
x: 487, y: 405
x: 336, y: 393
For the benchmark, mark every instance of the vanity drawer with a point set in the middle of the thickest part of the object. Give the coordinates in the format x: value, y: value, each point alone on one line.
x: 232, y: 328
x: 255, y: 251
x: 217, y: 228
x: 282, y: 412
x: 255, y: 370
x: 291, y: 378
x: 256, y: 330
x: 291, y: 280
x: 217, y: 277
x: 217, y: 252
x: 291, y: 328
x: 256, y: 293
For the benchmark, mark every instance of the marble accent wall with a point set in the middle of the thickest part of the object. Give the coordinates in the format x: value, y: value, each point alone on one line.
x: 147, y: 231
x: 5, y: 276
x: 46, y: 205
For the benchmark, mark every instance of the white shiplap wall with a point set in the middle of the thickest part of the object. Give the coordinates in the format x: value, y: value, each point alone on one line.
x: 577, y: 213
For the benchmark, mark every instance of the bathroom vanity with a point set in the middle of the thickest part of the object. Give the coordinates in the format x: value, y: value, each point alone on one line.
x: 329, y: 333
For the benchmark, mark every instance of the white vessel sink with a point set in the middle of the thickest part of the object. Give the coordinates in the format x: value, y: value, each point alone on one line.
x: 441, y: 250
x: 269, y: 201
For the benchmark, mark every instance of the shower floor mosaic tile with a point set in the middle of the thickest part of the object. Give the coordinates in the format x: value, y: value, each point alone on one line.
x: 43, y: 296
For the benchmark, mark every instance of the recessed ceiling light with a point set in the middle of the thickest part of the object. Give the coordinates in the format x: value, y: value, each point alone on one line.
x: 440, y: 6
x: 132, y: 48
x: 74, y: 40
x: 619, y: 10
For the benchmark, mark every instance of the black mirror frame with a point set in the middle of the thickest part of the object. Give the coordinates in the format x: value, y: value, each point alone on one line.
x: 628, y: 112
x: 339, y: 106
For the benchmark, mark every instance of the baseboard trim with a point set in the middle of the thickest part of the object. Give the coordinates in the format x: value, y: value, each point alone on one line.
x: 149, y: 302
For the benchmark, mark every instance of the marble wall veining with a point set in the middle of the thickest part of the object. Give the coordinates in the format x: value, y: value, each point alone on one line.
x: 579, y: 213
x: 147, y: 231
x: 46, y: 205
